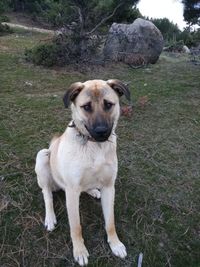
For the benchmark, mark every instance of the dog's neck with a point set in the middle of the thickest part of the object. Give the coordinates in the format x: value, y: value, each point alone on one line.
x: 84, y: 137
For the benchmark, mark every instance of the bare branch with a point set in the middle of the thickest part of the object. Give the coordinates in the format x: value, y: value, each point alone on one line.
x: 104, y: 20
x: 80, y: 18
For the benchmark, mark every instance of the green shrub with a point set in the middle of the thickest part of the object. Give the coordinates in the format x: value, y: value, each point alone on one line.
x: 5, y: 29
x: 44, y: 54
x: 50, y: 54
x: 4, y: 18
x: 63, y: 49
x: 192, y: 38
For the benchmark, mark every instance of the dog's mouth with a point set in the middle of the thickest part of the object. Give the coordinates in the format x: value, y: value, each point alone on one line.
x: 99, y: 133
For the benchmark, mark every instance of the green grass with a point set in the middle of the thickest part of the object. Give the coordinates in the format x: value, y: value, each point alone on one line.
x: 158, y: 187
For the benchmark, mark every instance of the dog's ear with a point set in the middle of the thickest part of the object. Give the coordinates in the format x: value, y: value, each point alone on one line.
x: 120, y: 88
x: 72, y: 93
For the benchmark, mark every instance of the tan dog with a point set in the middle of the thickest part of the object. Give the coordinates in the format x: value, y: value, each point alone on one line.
x: 83, y: 159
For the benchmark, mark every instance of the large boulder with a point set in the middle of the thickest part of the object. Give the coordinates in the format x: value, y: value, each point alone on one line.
x: 138, y: 43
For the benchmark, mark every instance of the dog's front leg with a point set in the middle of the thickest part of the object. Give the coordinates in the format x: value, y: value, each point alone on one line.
x: 107, y: 200
x: 79, y: 250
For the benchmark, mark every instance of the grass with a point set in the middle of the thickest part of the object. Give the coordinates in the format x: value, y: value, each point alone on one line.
x: 157, y: 191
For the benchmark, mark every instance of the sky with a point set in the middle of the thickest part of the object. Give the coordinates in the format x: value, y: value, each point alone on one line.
x: 171, y: 9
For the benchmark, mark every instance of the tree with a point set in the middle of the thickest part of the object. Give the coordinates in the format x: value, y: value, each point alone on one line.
x: 82, y: 19
x: 89, y: 16
x: 169, y: 30
x: 87, y: 11
x: 191, y: 11
x: 3, y: 6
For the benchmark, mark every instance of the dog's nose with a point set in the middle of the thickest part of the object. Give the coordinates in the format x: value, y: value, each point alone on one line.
x: 101, y: 130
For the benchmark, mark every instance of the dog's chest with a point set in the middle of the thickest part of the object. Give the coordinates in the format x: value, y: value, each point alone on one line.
x: 99, y: 165
x: 98, y: 171
x: 91, y: 166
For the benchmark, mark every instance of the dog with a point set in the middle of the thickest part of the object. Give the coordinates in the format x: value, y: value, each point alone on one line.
x: 84, y: 159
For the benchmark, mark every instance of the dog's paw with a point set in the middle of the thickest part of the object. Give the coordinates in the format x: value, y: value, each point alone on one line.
x: 50, y: 222
x: 94, y: 193
x: 81, y: 255
x: 119, y: 250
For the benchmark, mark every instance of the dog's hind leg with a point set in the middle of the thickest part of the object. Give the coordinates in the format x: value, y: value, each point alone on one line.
x: 46, y: 183
x: 50, y: 217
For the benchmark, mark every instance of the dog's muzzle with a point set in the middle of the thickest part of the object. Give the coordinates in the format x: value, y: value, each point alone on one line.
x: 100, y: 133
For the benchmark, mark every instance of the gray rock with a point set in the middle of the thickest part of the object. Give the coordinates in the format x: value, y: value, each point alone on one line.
x: 186, y: 49
x: 138, y: 43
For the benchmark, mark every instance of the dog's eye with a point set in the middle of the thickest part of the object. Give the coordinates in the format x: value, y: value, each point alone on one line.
x: 107, y: 105
x: 87, y: 107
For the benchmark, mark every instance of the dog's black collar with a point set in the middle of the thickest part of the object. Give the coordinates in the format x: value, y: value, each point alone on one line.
x: 85, y: 137
x: 72, y: 124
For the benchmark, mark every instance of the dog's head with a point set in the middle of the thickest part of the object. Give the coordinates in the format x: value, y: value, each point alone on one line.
x: 95, y: 106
